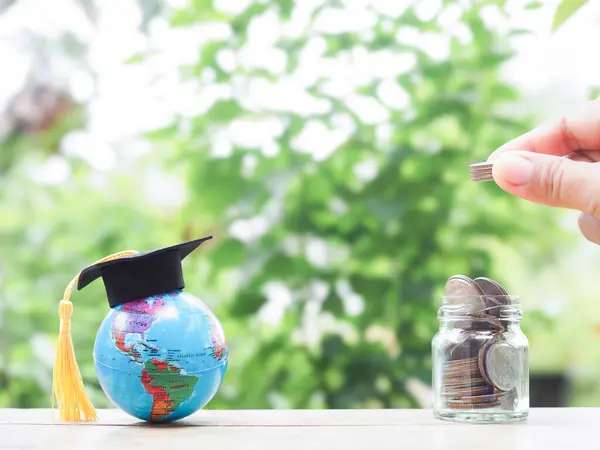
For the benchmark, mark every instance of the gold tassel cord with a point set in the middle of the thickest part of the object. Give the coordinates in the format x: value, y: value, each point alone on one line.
x: 68, y: 390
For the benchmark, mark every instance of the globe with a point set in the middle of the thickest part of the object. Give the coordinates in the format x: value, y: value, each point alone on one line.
x: 161, y: 358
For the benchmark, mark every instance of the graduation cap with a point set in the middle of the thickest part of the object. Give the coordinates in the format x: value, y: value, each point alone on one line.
x: 141, y: 275
x: 127, y: 276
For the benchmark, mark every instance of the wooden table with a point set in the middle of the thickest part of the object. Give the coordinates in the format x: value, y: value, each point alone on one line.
x: 569, y: 429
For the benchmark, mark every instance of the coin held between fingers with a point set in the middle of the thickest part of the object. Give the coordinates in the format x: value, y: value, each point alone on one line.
x: 481, y: 172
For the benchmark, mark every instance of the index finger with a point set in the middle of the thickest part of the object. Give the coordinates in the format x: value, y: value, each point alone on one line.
x: 578, y: 130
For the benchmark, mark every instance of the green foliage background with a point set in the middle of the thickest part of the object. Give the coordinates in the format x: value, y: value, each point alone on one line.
x: 356, y: 326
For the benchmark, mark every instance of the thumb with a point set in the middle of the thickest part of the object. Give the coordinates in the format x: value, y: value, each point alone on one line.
x: 550, y: 180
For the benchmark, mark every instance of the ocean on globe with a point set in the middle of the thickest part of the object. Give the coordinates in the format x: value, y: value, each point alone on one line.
x: 161, y: 358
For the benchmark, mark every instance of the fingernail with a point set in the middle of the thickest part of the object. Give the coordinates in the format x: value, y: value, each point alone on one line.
x: 513, y: 169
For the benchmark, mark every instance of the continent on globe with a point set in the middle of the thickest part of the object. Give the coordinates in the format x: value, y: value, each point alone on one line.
x: 134, y: 318
x: 219, y: 352
x: 219, y: 345
x: 167, y: 386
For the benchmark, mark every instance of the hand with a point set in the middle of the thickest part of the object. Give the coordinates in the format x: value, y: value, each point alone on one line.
x: 540, y: 166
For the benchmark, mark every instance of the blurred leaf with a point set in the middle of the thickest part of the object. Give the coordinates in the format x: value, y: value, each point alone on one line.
x: 565, y: 10
x: 534, y: 5
x: 247, y: 305
x: 137, y: 58
x: 224, y: 111
x: 285, y: 8
x: 240, y: 23
x: 519, y: 31
x: 504, y: 92
x: 197, y: 11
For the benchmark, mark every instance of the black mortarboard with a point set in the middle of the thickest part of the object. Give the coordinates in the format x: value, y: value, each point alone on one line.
x: 141, y: 275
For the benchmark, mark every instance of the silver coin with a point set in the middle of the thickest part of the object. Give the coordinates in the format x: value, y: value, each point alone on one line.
x: 461, y: 286
x: 502, y: 365
x: 486, y: 318
x: 490, y: 287
x: 509, y: 400
x: 482, y: 358
x: 464, y: 350
x: 495, y: 295
x: 461, y: 290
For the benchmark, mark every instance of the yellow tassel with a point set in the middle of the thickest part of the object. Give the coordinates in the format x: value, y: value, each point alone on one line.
x: 68, y: 390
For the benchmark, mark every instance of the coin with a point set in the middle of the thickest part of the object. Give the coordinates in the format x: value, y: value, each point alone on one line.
x: 452, y: 387
x: 463, y: 291
x: 490, y: 287
x: 461, y: 362
x: 463, y: 382
x: 509, y: 399
x: 463, y: 368
x: 466, y: 382
x: 501, y: 362
x: 481, y: 166
x: 493, y: 309
x: 454, y: 362
x: 467, y: 391
x: 465, y: 350
x: 481, y: 398
x: 460, y: 367
x: 463, y: 373
x: 480, y: 175
x: 457, y: 404
x: 482, y: 358
x: 481, y: 171
x: 468, y: 362
x: 494, y: 295
x: 461, y: 286
x: 484, y: 319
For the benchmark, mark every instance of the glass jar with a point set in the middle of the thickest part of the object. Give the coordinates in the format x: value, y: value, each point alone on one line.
x: 480, y: 360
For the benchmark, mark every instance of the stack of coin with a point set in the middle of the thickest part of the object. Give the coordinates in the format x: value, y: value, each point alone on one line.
x: 464, y: 387
x: 481, y: 171
x: 480, y: 368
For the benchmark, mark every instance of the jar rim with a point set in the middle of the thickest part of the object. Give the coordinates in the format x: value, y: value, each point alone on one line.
x: 466, y: 306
